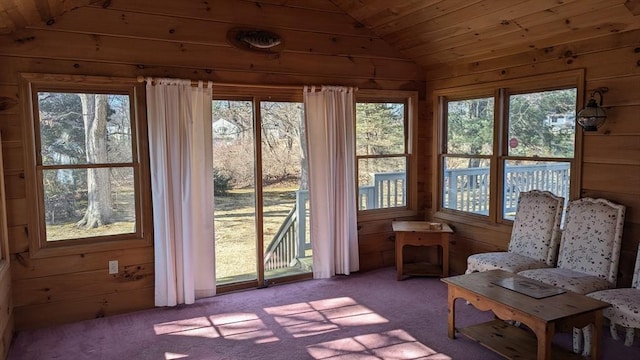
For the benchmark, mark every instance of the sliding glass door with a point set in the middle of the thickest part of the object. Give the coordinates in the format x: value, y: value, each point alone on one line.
x: 261, y: 225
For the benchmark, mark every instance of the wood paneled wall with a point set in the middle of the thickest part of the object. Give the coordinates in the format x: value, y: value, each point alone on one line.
x: 6, y: 294
x: 6, y: 312
x: 183, y: 39
x: 611, y: 156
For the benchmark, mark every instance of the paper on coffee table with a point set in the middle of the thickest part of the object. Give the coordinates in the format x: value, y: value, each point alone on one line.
x: 528, y: 287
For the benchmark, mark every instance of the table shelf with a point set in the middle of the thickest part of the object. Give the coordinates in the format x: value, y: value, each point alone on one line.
x: 422, y: 269
x: 510, y: 341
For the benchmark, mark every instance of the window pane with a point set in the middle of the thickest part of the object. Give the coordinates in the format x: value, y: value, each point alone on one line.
x: 380, y: 128
x: 533, y: 175
x: 465, y: 184
x: 470, y: 126
x: 234, y: 191
x: 80, y: 203
x: 542, y: 124
x: 286, y: 235
x: 382, y: 183
x: 71, y: 123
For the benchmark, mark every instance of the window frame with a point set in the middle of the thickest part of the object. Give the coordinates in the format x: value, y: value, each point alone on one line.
x: 4, y: 226
x: 142, y: 235
x: 501, y: 91
x: 410, y: 99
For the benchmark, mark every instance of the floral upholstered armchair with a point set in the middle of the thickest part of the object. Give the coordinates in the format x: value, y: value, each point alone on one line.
x: 534, y: 236
x: 625, y: 306
x: 589, y: 248
x: 589, y: 253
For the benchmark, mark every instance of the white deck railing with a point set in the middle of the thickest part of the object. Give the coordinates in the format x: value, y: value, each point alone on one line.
x: 464, y: 190
x: 388, y: 190
x: 468, y: 189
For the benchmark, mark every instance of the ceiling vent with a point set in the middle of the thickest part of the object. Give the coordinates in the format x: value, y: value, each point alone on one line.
x: 255, y: 40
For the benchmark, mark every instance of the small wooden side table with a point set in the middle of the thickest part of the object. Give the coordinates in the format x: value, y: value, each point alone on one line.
x: 421, y: 233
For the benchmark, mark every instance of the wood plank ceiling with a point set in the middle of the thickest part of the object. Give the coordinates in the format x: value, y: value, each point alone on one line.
x: 435, y: 31
x: 429, y: 32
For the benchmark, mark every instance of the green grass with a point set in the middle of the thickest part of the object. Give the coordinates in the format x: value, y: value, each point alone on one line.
x: 71, y: 231
x: 235, y: 227
x: 235, y: 224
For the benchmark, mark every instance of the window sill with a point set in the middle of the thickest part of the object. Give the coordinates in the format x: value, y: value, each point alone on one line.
x: 474, y: 220
x: 385, y: 214
x: 83, y: 248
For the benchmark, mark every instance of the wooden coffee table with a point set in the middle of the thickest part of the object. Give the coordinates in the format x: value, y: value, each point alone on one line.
x: 543, y: 316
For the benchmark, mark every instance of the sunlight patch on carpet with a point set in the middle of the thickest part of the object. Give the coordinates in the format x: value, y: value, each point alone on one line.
x: 323, y: 316
x: 394, y: 344
x: 231, y: 326
x: 174, y: 356
x: 185, y: 326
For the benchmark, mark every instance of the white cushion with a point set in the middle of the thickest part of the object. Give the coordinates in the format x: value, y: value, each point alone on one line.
x: 625, y: 306
x: 507, y: 261
x: 567, y: 279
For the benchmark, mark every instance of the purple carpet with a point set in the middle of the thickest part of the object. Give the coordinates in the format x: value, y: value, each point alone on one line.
x: 362, y: 316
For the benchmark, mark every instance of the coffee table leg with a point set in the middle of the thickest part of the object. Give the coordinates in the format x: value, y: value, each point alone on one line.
x: 544, y: 334
x: 451, y: 316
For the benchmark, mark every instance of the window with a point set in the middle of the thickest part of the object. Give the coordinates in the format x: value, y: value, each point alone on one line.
x: 384, y: 153
x: 88, y: 175
x: 469, y: 149
x: 501, y: 139
x: 539, y: 156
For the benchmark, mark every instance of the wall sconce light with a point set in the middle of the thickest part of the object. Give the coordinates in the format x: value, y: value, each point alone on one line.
x: 593, y: 115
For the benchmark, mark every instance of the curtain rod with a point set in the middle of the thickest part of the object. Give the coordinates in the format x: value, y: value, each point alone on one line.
x: 195, y: 83
x: 285, y: 87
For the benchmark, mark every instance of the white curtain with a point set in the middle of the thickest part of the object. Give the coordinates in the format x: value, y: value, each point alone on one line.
x: 179, y: 118
x: 330, y: 130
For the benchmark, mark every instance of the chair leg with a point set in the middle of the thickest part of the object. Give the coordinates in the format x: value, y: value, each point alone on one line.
x: 613, y: 331
x: 578, y: 341
x: 587, y: 334
x: 629, y: 336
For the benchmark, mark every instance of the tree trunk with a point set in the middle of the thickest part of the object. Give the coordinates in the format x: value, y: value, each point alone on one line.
x: 94, y: 114
x: 304, y: 163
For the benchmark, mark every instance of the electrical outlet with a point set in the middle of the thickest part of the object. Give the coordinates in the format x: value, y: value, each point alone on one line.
x: 113, y: 267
